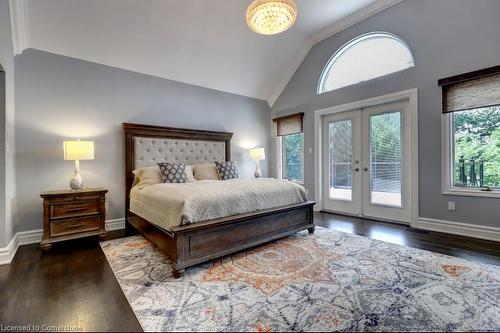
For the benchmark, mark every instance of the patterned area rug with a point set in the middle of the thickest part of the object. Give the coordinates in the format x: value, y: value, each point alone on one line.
x: 322, y: 282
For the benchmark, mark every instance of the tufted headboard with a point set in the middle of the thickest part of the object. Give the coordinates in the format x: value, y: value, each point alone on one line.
x: 146, y: 145
x: 149, y: 151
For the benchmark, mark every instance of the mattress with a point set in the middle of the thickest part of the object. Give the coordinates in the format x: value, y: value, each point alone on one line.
x: 169, y: 205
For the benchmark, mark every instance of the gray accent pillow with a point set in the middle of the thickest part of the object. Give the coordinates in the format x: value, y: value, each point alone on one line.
x: 173, y: 172
x: 227, y: 170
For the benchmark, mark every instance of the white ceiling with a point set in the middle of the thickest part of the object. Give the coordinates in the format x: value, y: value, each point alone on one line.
x: 200, y: 42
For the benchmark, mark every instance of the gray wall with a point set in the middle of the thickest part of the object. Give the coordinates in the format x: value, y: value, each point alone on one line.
x: 6, y: 119
x: 60, y: 98
x: 447, y: 37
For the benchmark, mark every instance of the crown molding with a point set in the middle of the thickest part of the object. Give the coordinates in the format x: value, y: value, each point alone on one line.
x: 356, y: 17
x: 346, y: 22
x: 19, y: 25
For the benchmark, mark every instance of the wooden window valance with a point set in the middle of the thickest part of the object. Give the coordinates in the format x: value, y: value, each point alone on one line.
x: 291, y: 124
x: 471, y: 90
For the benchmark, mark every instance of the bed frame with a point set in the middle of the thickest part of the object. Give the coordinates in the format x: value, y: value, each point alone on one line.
x: 199, y: 242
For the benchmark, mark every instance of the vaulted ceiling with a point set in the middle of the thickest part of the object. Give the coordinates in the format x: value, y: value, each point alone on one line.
x: 200, y: 42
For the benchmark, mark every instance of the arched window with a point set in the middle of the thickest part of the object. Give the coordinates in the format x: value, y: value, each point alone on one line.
x: 364, y: 58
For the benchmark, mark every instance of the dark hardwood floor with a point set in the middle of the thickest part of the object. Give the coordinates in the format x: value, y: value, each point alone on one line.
x: 73, y: 287
x: 473, y: 249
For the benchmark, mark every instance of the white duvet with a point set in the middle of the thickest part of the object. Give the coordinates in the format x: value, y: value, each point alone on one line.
x: 170, y: 205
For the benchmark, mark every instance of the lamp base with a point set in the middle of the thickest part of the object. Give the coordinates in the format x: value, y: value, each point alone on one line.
x: 76, y: 182
x: 257, y: 173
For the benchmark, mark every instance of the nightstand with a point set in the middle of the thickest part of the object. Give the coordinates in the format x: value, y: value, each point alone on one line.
x: 71, y: 214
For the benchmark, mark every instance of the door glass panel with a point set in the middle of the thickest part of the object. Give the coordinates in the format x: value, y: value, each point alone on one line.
x: 385, y: 159
x: 340, y: 159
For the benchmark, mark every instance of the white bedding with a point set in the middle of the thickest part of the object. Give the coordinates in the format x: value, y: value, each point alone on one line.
x: 170, y: 205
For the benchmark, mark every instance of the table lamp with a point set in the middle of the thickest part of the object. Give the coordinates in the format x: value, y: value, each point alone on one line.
x: 257, y: 154
x: 78, y: 151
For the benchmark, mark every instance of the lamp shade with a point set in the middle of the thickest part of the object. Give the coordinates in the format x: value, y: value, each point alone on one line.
x: 257, y: 154
x: 78, y: 150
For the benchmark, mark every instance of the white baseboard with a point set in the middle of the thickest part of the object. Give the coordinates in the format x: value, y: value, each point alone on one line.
x: 21, y: 238
x: 7, y: 253
x: 35, y: 236
x: 459, y: 228
x: 115, y: 224
x: 29, y: 237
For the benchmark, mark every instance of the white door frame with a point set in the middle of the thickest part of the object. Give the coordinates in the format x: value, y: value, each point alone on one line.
x: 412, y: 96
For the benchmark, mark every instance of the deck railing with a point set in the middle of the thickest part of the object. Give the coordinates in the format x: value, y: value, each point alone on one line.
x: 470, y: 173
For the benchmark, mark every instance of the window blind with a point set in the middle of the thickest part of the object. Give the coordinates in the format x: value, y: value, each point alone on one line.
x: 386, y: 158
x: 291, y: 124
x: 471, y: 90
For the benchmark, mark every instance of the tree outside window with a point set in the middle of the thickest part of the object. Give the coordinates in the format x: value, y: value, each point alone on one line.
x: 476, y: 147
x: 292, y: 156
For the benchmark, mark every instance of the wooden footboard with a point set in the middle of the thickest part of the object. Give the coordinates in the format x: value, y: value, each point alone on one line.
x: 199, y: 242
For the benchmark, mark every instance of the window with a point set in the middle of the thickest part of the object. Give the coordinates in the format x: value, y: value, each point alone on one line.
x: 292, y: 157
x: 364, y: 58
x: 290, y: 146
x: 471, y: 103
x: 475, y: 140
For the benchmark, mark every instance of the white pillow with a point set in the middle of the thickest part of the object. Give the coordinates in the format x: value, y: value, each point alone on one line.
x: 189, y: 174
x: 206, y: 171
x: 147, y: 176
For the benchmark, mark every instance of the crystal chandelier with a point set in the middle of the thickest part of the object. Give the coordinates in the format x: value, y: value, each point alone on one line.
x: 270, y: 17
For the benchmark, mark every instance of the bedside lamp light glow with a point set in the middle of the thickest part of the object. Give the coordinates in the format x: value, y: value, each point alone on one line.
x: 257, y: 154
x: 78, y: 151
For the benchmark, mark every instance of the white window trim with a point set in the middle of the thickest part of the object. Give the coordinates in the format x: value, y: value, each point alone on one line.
x: 279, y: 159
x: 447, y: 166
x: 320, y: 89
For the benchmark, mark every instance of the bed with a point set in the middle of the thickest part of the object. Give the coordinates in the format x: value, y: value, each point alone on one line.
x: 188, y: 244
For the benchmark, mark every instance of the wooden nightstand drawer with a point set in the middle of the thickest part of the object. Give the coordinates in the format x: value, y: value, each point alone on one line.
x: 78, y: 225
x: 75, y: 196
x: 73, y: 214
x: 74, y: 209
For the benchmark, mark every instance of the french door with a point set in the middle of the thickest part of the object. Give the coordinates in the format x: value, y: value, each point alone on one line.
x: 366, y: 162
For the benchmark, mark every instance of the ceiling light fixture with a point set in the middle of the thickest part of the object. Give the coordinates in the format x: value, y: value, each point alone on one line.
x: 270, y: 17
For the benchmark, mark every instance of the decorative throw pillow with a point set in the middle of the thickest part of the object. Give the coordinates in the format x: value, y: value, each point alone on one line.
x: 173, y: 172
x: 227, y: 170
x: 205, y: 171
